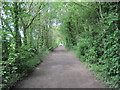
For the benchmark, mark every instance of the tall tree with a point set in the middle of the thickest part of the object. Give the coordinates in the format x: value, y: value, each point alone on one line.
x: 16, y: 26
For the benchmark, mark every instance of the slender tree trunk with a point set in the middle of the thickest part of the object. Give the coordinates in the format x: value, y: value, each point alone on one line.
x: 17, y: 35
x: 47, y: 43
x: 31, y: 37
x: 25, y: 35
x: 41, y: 38
x: 100, y: 10
x: 73, y: 42
x: 5, y: 50
x: 119, y: 15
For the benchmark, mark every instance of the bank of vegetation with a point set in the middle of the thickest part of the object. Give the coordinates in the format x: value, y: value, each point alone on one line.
x: 26, y: 36
x: 92, y: 30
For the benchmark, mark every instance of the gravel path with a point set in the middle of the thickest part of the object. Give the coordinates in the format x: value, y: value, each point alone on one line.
x: 60, y: 69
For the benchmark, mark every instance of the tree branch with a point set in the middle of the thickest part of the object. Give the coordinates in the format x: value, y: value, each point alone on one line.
x: 22, y: 22
x: 80, y: 4
x: 30, y: 6
x: 33, y: 17
x: 31, y: 21
x: 100, y: 10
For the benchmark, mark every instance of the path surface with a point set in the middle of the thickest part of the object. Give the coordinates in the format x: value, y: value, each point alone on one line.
x: 60, y: 69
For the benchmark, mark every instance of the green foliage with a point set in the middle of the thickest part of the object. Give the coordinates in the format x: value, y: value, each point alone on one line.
x: 91, y: 29
x: 12, y: 70
x: 27, y: 34
x: 96, y: 32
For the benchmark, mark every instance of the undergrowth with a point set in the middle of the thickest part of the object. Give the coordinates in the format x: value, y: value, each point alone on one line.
x: 13, y: 72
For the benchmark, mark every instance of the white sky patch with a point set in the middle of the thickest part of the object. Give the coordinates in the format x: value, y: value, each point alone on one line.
x: 3, y: 14
x: 55, y: 23
x: 21, y: 33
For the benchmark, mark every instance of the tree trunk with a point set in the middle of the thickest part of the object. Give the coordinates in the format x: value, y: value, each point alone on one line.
x: 100, y: 11
x: 5, y: 51
x: 119, y: 15
x: 17, y: 35
x: 25, y: 36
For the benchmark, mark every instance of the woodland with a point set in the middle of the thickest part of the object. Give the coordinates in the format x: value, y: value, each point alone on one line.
x: 29, y: 30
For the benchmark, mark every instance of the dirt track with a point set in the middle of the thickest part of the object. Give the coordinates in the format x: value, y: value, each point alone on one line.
x: 60, y: 69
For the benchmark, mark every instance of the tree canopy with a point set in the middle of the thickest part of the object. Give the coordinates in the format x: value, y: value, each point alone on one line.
x: 91, y: 29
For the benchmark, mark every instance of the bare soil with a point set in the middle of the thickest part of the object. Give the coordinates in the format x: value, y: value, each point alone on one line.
x: 60, y: 69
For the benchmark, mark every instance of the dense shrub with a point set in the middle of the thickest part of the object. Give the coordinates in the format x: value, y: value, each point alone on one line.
x: 18, y: 65
x: 102, y: 51
x: 94, y: 34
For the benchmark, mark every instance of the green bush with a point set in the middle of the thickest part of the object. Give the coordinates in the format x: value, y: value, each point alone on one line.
x: 18, y: 65
x: 103, y: 51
